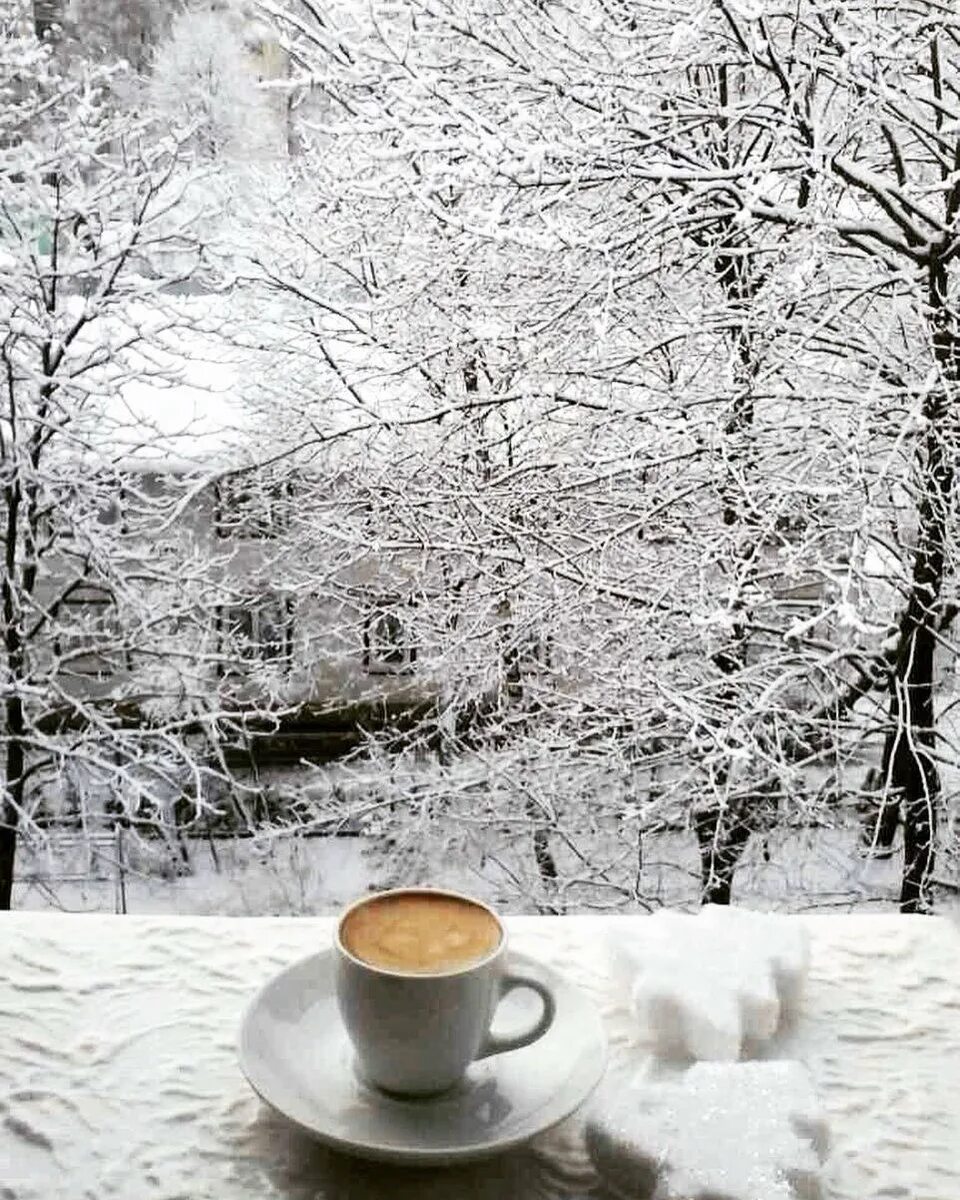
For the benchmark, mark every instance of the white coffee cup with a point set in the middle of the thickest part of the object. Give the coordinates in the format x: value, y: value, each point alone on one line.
x: 415, y: 1034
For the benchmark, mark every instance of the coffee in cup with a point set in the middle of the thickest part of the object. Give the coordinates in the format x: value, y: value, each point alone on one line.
x: 420, y: 972
x: 420, y: 932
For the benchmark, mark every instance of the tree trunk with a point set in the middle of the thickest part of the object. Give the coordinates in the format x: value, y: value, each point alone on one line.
x: 722, y: 835
x: 8, y: 854
x: 912, y: 771
x: 14, y: 724
x: 11, y: 808
x: 546, y: 863
x: 910, y: 741
x: 913, y: 774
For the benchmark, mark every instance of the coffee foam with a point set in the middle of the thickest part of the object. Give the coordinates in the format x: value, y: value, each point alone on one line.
x: 427, y: 933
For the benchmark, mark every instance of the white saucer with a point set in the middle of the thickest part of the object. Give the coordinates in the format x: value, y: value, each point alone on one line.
x: 295, y: 1053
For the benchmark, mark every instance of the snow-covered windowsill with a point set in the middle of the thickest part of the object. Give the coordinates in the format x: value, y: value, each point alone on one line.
x: 119, y: 1076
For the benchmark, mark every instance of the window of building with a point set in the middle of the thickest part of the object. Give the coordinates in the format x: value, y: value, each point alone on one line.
x: 537, y: 651
x: 88, y: 638
x: 389, y: 645
x: 249, y: 505
x: 529, y: 654
x: 258, y: 630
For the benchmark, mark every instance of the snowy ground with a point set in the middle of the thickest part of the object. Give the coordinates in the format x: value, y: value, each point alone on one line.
x: 488, y: 853
x: 287, y: 875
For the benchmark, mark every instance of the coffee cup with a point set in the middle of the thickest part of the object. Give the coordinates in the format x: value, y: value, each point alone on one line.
x: 419, y: 975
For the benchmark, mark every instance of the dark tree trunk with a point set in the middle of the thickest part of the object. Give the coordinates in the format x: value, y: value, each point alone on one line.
x: 882, y: 812
x: 546, y: 863
x: 722, y: 835
x: 909, y: 745
x: 21, y: 516
x: 8, y: 854
x: 11, y: 805
x: 879, y: 828
x: 13, y: 781
x: 887, y: 821
x: 913, y: 774
x: 910, y: 742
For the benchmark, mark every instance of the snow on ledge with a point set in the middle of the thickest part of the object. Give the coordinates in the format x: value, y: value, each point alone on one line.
x: 714, y: 986
x: 118, y: 1072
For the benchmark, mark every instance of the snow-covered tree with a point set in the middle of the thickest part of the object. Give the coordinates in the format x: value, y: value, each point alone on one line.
x: 637, y: 305
x: 868, y: 148
x: 206, y: 80
x: 96, y: 570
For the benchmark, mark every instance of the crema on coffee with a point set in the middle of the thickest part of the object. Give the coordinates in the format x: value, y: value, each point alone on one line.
x: 420, y: 932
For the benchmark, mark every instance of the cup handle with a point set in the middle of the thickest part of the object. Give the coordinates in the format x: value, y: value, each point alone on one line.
x: 492, y: 1044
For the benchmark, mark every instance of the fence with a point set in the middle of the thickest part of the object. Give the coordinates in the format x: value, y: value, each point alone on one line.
x: 101, y: 856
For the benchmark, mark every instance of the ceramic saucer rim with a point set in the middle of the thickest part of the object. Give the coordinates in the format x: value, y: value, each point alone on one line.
x: 424, y: 1156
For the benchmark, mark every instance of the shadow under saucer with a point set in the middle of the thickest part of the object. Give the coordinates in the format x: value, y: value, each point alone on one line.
x: 291, y: 1165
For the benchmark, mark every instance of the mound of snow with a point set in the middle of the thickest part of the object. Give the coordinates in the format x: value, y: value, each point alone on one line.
x: 715, y: 986
x: 720, y: 1131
